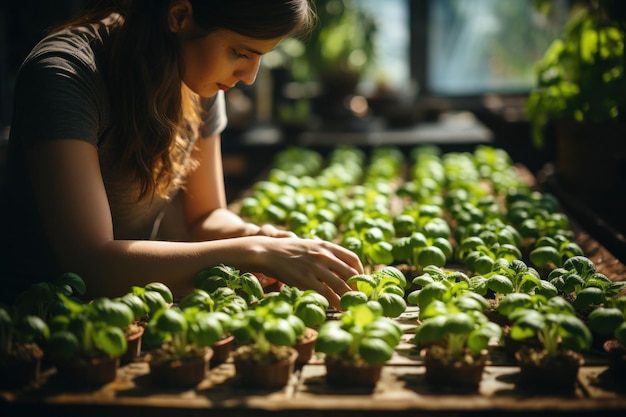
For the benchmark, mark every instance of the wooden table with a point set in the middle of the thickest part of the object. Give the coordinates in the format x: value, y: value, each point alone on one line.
x: 401, y: 391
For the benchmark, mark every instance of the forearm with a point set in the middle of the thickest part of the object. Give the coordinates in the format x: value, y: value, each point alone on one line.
x: 112, y: 269
x: 222, y: 224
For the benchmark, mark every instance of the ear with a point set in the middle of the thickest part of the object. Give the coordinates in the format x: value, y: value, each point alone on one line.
x: 179, y: 15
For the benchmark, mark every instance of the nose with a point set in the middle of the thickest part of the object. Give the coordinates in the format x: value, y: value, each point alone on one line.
x: 248, y: 71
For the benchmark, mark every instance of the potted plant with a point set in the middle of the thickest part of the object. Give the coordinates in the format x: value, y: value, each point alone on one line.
x: 550, y: 252
x: 155, y: 296
x: 419, y: 250
x: 506, y: 278
x: 609, y: 322
x: 224, y: 300
x: 184, y: 339
x: 246, y: 285
x: 439, y: 284
x: 385, y: 286
x: 87, y: 341
x: 454, y: 337
x: 562, y: 336
x: 580, y: 91
x: 509, y: 303
x: 311, y: 307
x: 144, y: 302
x: 20, y: 350
x: 41, y: 299
x: 357, y: 345
x: 369, y: 239
x: 578, y: 281
x: 267, y: 332
x: 135, y: 330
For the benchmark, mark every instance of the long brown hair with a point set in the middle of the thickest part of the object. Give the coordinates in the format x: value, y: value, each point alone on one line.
x: 151, y: 111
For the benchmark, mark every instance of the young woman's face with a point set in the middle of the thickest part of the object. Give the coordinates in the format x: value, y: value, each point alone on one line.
x: 221, y: 59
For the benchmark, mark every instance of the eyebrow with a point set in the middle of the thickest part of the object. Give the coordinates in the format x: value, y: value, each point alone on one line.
x: 253, y: 51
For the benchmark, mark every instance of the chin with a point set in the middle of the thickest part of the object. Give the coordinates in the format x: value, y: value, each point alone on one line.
x: 204, y: 92
x: 208, y: 93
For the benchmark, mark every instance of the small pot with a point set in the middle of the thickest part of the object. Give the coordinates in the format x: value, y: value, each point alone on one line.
x: 306, y: 346
x: 616, y: 357
x: 548, y: 374
x: 20, y: 370
x: 93, y: 372
x: 462, y: 372
x: 341, y: 373
x: 222, y: 349
x: 179, y: 373
x: 265, y: 375
x: 133, y: 345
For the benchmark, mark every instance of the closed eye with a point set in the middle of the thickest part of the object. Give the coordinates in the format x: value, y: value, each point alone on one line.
x: 240, y: 55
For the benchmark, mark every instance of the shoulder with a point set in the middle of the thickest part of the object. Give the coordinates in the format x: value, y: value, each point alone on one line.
x: 62, y: 81
x: 72, y: 51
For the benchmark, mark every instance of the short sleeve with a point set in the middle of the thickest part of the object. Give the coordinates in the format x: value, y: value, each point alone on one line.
x: 59, y: 96
x: 214, y: 119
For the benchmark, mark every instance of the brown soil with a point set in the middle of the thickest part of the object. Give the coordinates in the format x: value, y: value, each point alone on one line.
x: 250, y: 353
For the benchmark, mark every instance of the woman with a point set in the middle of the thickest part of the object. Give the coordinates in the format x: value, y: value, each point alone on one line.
x: 119, y: 113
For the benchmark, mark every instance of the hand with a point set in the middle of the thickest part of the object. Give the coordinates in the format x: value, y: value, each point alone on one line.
x: 310, y: 264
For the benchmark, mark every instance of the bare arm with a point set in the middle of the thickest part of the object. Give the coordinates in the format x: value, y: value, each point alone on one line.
x: 75, y: 214
x: 204, y: 200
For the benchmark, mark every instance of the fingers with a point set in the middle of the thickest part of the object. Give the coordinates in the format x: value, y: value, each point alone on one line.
x: 335, y: 265
x: 331, y: 295
x: 312, y: 264
x: 351, y: 264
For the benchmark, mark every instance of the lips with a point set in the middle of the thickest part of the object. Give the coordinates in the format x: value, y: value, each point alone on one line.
x: 223, y: 87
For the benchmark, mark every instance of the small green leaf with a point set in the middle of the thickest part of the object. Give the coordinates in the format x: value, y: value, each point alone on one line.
x: 605, y: 320
x: 381, y: 253
x: 251, y: 285
x: 458, y: 323
x: 393, y: 304
x: 543, y: 256
x: 375, y: 350
x: 500, y: 284
x: 588, y: 297
x: 352, y: 298
x: 62, y: 345
x: 429, y: 293
x: 279, y: 332
x: 430, y: 330
x: 112, y: 340
x: 394, y: 272
x: 171, y: 320
x: 162, y: 289
x: 364, y: 283
x: 311, y: 314
x: 332, y: 339
x: 74, y: 281
x: 432, y: 255
x: 483, y: 264
x: 547, y: 289
x: 205, y: 330
x: 154, y: 301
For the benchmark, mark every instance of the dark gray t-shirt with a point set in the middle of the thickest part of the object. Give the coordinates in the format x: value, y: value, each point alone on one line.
x: 61, y: 93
